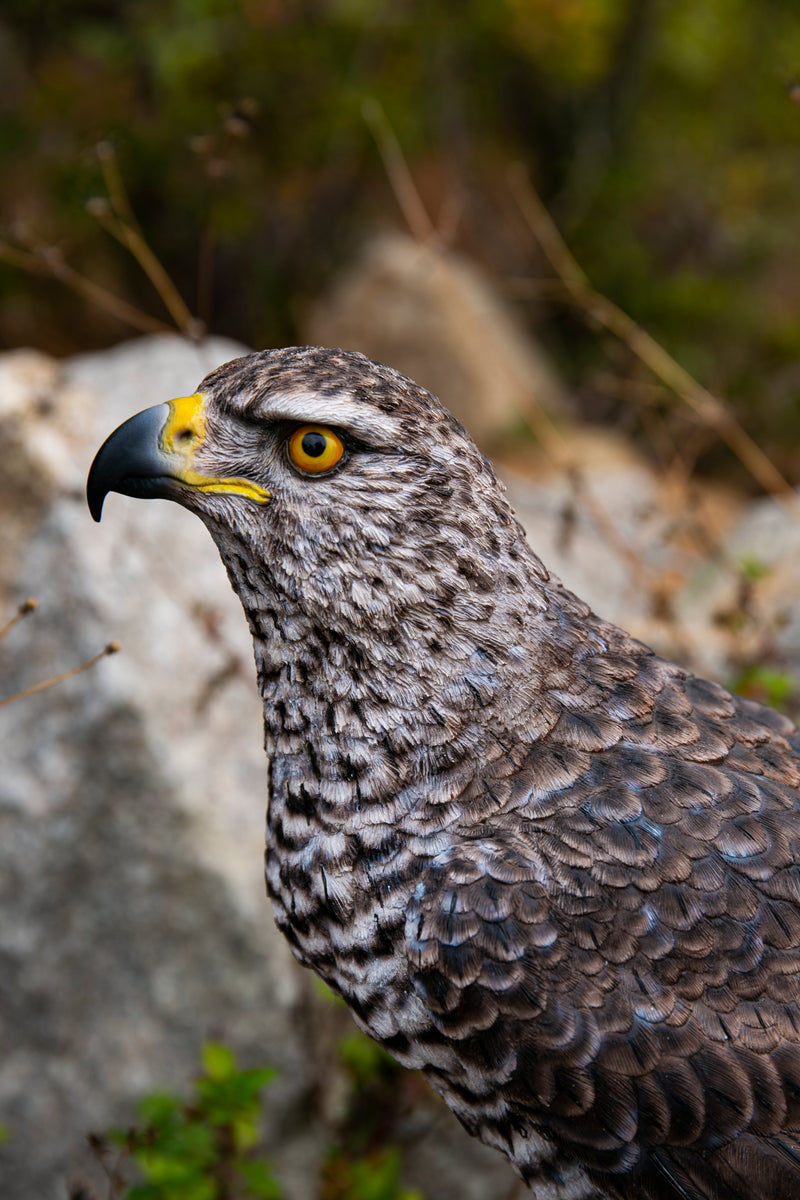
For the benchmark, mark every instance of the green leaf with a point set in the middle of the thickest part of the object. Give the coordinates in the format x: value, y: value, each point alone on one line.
x: 376, y: 1177
x: 229, y: 1096
x: 202, y: 1189
x: 767, y: 685
x: 183, y: 1150
x: 364, y: 1058
x: 259, y: 1178
x: 753, y: 568
x: 159, y: 1109
x: 325, y: 993
x: 218, y: 1060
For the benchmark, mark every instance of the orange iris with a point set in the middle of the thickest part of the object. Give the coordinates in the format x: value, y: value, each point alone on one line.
x: 315, y: 449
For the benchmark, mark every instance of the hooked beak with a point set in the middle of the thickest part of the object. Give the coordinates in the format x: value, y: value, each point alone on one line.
x: 152, y: 454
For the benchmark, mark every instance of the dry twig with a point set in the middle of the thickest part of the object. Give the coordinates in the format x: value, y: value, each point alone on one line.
x: 49, y: 261
x: 396, y: 167
x: 27, y: 606
x: 116, y: 217
x: 111, y: 648
x: 712, y: 411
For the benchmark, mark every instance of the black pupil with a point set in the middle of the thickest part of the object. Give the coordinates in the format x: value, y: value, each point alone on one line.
x: 314, y: 444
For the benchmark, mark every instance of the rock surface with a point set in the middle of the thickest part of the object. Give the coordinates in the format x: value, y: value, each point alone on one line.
x: 746, y: 597
x: 626, y: 539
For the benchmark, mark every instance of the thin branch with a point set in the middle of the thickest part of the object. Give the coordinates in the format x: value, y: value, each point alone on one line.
x: 396, y: 167
x: 710, y: 408
x: 562, y: 457
x: 27, y: 606
x: 102, y: 1151
x: 642, y: 392
x: 133, y: 241
x: 50, y: 263
x: 215, y: 682
x: 112, y: 177
x: 527, y: 287
x: 117, y: 218
x: 111, y: 648
x: 558, y: 450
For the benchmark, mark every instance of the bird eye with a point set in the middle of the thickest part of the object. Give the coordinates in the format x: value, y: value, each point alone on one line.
x: 315, y: 449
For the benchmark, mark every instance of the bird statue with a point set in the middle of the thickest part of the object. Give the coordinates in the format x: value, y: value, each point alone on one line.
x: 551, y: 870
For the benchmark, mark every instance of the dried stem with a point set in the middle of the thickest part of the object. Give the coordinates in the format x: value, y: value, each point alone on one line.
x: 396, y: 167
x: 713, y: 411
x: 117, y: 218
x: 102, y: 1152
x: 111, y: 648
x: 27, y: 606
x: 133, y: 241
x: 121, y: 223
x: 48, y: 261
x: 112, y: 177
x: 557, y: 449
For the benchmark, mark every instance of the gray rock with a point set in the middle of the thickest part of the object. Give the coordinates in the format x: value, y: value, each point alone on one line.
x: 746, y: 597
x: 624, y: 539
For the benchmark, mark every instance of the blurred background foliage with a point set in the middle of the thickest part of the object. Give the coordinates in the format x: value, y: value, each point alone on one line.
x: 664, y: 136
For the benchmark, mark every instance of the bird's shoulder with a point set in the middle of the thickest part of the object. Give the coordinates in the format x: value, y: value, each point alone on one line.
x: 670, y: 1073
x: 625, y: 914
x: 641, y: 774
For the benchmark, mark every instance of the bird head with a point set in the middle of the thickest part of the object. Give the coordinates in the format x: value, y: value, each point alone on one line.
x: 328, y: 480
x: 371, y: 545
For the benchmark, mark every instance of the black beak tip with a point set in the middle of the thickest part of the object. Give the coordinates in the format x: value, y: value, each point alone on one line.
x: 94, y: 498
x: 99, y: 483
x: 96, y: 486
x: 128, y: 457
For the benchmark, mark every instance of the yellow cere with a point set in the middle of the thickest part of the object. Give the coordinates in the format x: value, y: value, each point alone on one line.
x: 183, y: 434
x: 186, y: 425
x: 315, y: 449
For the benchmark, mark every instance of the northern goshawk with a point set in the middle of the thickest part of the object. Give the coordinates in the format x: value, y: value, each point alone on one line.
x: 556, y: 873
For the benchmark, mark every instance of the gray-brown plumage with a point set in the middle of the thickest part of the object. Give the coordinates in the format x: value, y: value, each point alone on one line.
x: 555, y: 872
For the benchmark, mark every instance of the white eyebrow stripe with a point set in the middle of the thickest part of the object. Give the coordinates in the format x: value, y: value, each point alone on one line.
x: 312, y: 408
